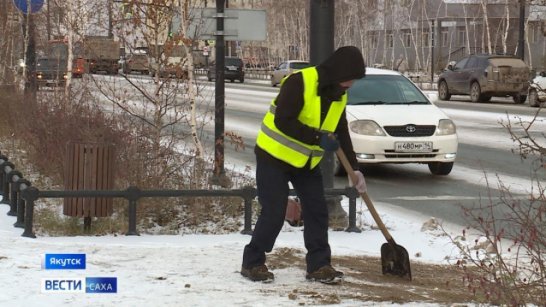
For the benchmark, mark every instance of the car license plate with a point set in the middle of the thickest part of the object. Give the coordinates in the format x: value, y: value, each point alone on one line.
x: 231, y: 67
x: 413, y: 146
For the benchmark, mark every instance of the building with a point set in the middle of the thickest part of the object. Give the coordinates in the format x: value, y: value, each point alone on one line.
x: 448, y: 30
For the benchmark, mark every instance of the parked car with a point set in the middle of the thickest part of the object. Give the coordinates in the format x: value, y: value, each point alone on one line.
x: 234, y: 70
x: 485, y: 76
x: 537, y: 90
x: 136, y: 62
x: 392, y: 121
x: 286, y: 68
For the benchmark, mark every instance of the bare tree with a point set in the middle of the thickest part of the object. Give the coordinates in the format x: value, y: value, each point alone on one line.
x: 487, y: 31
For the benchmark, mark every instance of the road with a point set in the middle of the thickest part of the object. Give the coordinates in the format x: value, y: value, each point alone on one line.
x: 485, y: 155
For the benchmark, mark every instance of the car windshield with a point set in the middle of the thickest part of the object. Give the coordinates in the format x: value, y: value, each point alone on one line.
x: 233, y: 62
x: 384, y: 89
x: 299, y: 65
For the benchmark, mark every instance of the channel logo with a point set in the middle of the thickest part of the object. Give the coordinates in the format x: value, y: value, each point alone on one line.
x: 63, y: 261
x: 63, y: 285
x: 101, y: 285
x: 79, y: 285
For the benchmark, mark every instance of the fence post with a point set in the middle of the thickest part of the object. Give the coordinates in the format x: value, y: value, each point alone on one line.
x: 5, y: 186
x: 14, y: 191
x: 3, y: 159
x: 20, y: 223
x: 249, y: 193
x: 30, y: 195
x: 352, y: 194
x: 132, y: 194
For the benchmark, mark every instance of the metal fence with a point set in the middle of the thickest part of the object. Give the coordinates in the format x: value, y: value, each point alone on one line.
x: 21, y: 196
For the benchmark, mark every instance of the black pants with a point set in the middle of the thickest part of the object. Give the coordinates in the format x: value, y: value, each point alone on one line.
x: 272, y: 183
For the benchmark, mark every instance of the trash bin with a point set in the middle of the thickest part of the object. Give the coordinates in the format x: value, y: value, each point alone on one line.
x: 89, y: 166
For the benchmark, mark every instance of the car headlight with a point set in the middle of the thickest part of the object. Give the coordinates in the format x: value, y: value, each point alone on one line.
x: 366, y: 127
x: 446, y: 127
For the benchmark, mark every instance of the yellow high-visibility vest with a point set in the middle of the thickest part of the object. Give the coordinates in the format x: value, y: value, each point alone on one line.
x: 288, y: 149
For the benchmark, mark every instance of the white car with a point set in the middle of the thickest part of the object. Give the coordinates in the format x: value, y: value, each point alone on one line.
x: 537, y: 90
x: 392, y: 121
x: 286, y: 68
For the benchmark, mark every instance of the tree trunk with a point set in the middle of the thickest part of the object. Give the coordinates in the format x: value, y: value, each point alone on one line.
x: 487, y: 29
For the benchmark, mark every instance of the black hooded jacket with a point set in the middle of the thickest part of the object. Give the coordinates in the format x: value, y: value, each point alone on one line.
x: 345, y: 64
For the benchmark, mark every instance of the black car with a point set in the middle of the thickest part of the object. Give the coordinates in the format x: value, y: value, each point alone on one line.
x: 233, y: 70
x: 485, y: 76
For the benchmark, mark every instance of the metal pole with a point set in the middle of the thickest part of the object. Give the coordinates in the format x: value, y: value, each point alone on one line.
x: 321, y: 46
x: 48, y: 17
x: 248, y: 217
x: 133, y: 195
x: 219, y: 176
x: 521, y: 32
x: 352, y: 194
x: 30, y: 84
x: 110, y: 20
x: 432, y: 30
x: 30, y: 195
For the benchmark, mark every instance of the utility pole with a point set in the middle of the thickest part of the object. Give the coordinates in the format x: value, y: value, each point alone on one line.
x: 432, y: 30
x: 48, y: 17
x: 321, y: 46
x: 110, y: 19
x: 521, y: 32
x: 219, y: 174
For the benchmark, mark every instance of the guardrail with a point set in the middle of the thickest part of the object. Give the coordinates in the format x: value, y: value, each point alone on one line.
x: 250, y: 73
x: 21, y: 196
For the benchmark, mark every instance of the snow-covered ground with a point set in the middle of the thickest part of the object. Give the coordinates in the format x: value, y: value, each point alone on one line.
x: 203, y: 270
x: 190, y: 270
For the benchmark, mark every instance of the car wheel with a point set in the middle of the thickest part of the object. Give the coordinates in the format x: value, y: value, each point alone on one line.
x: 519, y: 99
x: 533, y: 99
x: 475, y: 92
x: 443, y: 91
x: 440, y: 168
x: 242, y: 80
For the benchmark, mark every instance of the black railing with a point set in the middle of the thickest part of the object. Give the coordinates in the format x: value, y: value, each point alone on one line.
x: 21, y: 196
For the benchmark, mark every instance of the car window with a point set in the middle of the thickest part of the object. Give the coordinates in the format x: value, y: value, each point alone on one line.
x: 233, y: 61
x: 299, y: 65
x: 461, y: 64
x: 282, y: 66
x: 473, y: 62
x: 384, y: 89
x: 484, y: 62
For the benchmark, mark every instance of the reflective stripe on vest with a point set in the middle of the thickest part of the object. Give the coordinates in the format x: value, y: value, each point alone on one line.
x: 288, y: 149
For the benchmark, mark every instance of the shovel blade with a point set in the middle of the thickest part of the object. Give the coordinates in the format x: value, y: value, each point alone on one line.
x: 395, y: 260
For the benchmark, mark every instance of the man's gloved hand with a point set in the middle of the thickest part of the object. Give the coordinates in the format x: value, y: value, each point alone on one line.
x: 329, y: 142
x: 360, y: 185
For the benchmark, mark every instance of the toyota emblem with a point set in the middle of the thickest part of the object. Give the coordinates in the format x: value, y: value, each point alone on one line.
x: 411, y: 128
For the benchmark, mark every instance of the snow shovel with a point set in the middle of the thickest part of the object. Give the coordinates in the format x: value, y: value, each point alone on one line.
x: 394, y: 258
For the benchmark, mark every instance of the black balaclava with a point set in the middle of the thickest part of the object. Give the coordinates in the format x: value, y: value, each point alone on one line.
x: 345, y: 64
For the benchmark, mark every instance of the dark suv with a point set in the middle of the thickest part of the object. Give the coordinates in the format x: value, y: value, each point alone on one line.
x: 233, y: 70
x: 485, y: 76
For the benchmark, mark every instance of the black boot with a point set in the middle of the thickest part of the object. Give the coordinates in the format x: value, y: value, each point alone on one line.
x: 258, y: 273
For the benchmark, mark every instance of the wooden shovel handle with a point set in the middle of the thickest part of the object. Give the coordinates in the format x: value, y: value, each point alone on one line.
x: 365, y: 197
